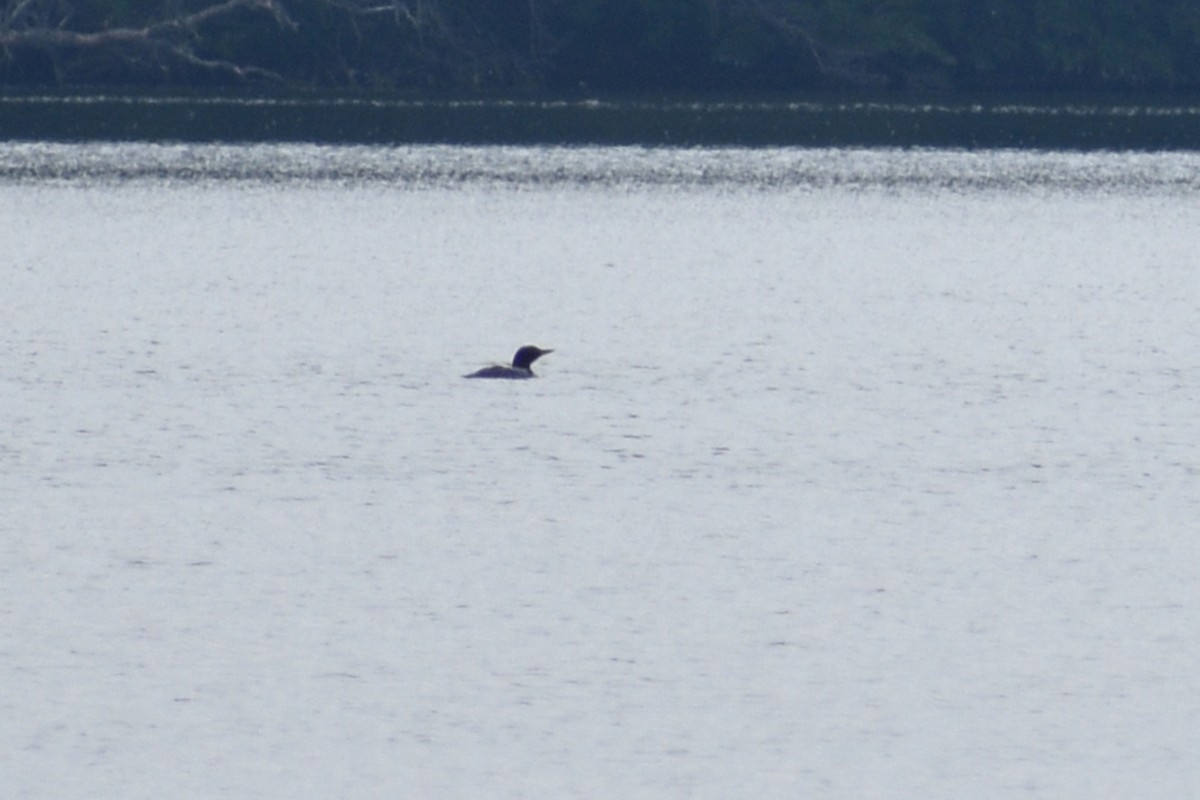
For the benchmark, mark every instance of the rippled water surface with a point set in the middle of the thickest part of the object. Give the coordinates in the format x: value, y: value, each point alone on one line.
x: 853, y: 473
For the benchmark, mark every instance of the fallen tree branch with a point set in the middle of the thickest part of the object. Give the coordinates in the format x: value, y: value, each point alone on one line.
x: 163, y: 37
x: 855, y: 65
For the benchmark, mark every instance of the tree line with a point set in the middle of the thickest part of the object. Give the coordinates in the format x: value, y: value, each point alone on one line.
x: 605, y: 45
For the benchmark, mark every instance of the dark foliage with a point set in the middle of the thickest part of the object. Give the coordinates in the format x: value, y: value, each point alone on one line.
x: 605, y: 45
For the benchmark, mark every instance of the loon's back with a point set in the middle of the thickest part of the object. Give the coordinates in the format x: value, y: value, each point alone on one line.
x: 499, y: 371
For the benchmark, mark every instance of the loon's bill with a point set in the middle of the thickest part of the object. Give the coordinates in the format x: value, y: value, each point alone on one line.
x: 521, y: 365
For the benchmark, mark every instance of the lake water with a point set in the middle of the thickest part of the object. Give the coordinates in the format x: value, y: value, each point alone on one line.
x: 989, y: 120
x: 854, y: 473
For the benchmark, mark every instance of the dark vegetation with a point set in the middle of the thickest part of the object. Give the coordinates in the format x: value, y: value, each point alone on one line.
x: 619, y: 46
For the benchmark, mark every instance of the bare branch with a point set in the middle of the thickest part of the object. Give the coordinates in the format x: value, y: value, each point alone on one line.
x: 59, y: 36
x: 220, y: 65
x: 157, y: 37
x: 394, y: 7
x: 15, y: 13
x: 853, y: 64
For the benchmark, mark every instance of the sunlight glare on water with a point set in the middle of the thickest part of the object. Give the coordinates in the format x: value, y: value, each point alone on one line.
x: 853, y: 473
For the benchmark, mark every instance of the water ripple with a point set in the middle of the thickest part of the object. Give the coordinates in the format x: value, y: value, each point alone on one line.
x: 442, y: 167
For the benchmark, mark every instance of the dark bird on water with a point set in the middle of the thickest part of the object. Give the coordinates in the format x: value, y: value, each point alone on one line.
x: 521, y: 365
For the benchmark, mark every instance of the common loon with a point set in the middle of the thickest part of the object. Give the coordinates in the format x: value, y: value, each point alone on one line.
x: 520, y: 368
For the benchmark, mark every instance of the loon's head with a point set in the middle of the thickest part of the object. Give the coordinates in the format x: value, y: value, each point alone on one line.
x: 528, y: 354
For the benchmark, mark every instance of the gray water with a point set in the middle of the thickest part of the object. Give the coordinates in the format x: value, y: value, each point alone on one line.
x: 853, y: 473
x: 1075, y: 122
